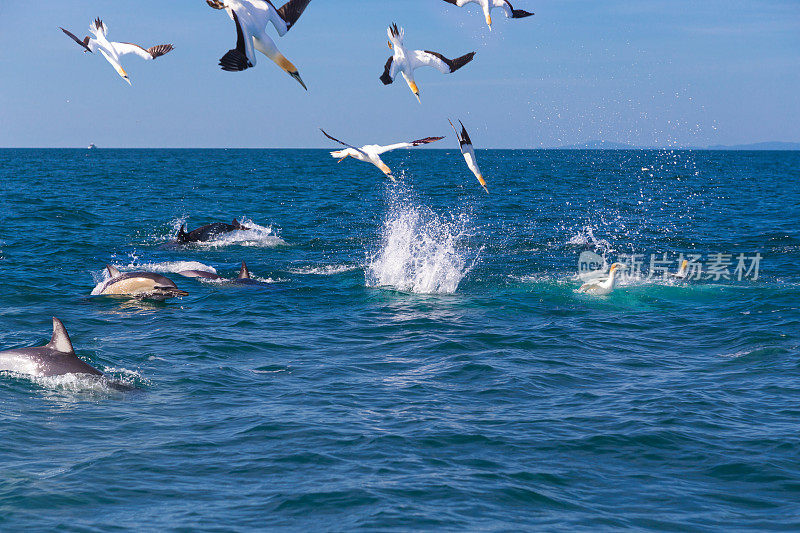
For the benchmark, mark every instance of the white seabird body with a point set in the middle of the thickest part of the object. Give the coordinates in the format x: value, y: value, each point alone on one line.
x: 251, y: 18
x: 488, y: 5
x: 113, y: 51
x: 371, y: 153
x: 405, y: 61
x: 468, y: 151
x: 602, y: 288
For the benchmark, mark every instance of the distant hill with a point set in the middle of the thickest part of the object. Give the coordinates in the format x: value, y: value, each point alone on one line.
x: 609, y: 145
x: 758, y: 146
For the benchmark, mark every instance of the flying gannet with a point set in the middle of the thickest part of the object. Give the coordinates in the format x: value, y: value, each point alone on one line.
x: 113, y: 50
x: 602, y: 288
x: 407, y: 61
x: 372, y: 152
x: 489, y: 5
x: 251, y: 18
x: 469, y: 153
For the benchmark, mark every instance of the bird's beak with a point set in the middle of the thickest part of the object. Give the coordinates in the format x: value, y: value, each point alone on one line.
x: 413, y: 86
x: 123, y: 74
x: 287, y: 65
x: 483, y: 184
x: 296, y: 75
x: 342, y: 159
x: 388, y: 171
x: 390, y: 45
x: 489, y: 21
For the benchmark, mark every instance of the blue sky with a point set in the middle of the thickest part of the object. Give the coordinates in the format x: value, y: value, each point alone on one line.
x: 640, y: 71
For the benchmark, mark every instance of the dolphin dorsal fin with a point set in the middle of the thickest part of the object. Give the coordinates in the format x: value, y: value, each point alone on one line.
x: 244, y: 273
x: 60, y: 340
x: 112, y: 271
x: 236, y: 224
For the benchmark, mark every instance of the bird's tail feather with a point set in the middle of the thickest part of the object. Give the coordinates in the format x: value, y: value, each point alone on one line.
x: 234, y: 61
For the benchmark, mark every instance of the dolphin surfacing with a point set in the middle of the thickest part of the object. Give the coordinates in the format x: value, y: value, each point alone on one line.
x: 144, y: 285
x: 55, y: 358
x: 245, y: 279
x: 208, y: 232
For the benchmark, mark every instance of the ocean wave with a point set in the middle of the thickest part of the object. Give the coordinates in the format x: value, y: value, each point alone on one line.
x: 324, y: 270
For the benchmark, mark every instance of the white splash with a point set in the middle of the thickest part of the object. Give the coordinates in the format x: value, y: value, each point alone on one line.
x: 585, y: 237
x: 109, y: 382
x: 421, y: 252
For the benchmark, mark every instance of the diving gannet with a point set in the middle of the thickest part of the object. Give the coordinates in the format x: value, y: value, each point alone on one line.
x: 489, y: 5
x: 407, y: 61
x: 601, y: 288
x: 682, y: 271
x: 113, y: 50
x: 371, y: 153
x: 469, y: 153
x: 251, y: 18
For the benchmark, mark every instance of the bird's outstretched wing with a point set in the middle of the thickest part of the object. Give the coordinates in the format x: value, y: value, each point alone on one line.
x: 84, y: 43
x: 149, y: 53
x: 412, y: 144
x: 236, y: 59
x: 334, y: 139
x: 290, y: 12
x: 388, y: 72
x: 436, y: 60
x: 509, y: 9
x: 463, y: 136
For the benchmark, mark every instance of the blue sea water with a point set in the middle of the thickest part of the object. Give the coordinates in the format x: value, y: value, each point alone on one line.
x: 418, y: 357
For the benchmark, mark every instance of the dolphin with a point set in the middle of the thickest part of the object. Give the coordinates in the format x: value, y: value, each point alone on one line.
x: 208, y: 232
x: 55, y: 358
x: 244, y: 278
x: 202, y: 274
x: 145, y: 285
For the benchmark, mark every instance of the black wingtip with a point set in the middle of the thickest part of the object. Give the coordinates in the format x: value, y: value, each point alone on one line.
x: 234, y: 61
x: 520, y: 14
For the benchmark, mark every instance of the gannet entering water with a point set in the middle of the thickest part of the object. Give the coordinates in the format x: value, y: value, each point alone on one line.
x: 469, y: 153
x: 407, y: 61
x: 251, y: 18
x: 371, y: 153
x: 682, y: 271
x: 601, y: 288
x: 113, y: 50
x: 489, y: 5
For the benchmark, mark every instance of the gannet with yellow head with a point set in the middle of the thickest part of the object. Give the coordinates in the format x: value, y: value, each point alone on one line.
x: 489, y: 5
x: 405, y: 61
x: 372, y: 152
x: 601, y: 288
x: 468, y: 152
x: 113, y: 50
x: 682, y: 272
x: 251, y: 18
